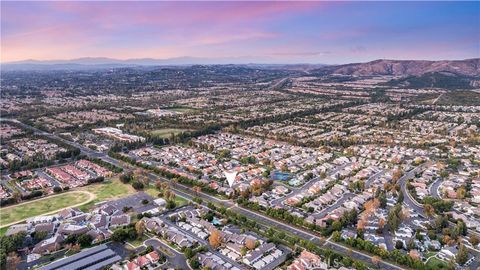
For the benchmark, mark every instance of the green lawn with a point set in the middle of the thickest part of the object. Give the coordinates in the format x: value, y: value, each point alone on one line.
x: 139, y: 241
x: 3, y: 231
x: 180, y: 201
x: 436, y: 264
x: 167, y: 132
x: 107, y: 190
x: 182, y: 109
x: 152, y: 191
x: 38, y: 207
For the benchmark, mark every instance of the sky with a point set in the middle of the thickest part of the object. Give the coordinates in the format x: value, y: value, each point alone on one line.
x: 237, y: 32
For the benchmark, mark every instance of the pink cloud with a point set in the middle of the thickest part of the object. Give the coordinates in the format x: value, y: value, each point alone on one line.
x: 71, y: 25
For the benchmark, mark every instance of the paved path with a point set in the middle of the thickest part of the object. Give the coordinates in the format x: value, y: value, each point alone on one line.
x: 408, y: 199
x: 185, y: 191
x: 306, y: 186
x: 91, y: 197
x: 434, y: 188
x: 178, y: 259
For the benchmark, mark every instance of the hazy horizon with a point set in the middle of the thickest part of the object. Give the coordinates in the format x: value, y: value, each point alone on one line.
x: 195, y: 61
x: 244, y: 32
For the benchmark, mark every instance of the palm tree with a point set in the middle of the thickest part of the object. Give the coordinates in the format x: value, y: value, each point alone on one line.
x: 429, y: 210
x: 196, y: 190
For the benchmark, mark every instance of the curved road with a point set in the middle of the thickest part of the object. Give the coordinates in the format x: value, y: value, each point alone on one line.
x: 184, y: 191
x: 90, y: 198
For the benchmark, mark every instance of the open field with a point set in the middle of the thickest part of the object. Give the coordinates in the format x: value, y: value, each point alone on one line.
x: 152, y: 191
x: 437, y: 264
x: 137, y: 242
x: 49, y: 205
x: 182, y: 109
x: 107, y: 190
x: 180, y: 201
x: 465, y: 98
x: 167, y: 132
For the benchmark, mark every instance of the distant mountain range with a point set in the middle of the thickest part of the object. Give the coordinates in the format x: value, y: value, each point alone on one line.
x: 468, y: 67
x: 103, y: 62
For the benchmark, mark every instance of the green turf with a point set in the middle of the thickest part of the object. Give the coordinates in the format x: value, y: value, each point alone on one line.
x: 106, y: 191
x: 151, y: 191
x: 139, y: 241
x: 167, y: 132
x: 437, y: 264
x: 179, y: 201
x: 182, y: 109
x: 36, y: 207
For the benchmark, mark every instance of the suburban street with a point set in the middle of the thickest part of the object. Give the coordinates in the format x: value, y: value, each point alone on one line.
x: 408, y: 200
x: 186, y: 192
x: 434, y: 188
x: 306, y: 186
x: 177, y: 258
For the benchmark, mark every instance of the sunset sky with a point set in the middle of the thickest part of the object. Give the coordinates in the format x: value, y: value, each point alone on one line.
x: 264, y: 32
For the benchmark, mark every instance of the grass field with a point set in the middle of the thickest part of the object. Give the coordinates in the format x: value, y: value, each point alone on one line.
x: 106, y: 191
x: 180, y: 201
x: 437, y: 264
x: 138, y: 242
x: 20, y: 212
x: 464, y: 98
x: 167, y: 132
x: 182, y: 109
x: 152, y: 191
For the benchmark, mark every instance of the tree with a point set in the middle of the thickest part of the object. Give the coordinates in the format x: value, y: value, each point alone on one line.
x: 414, y: 254
x: 381, y: 223
x: 337, y: 225
x: 400, y: 197
x: 149, y: 249
x: 399, y: 244
x: 84, y: 240
x: 75, y: 248
x: 461, y: 228
x: 429, y: 210
x: 188, y: 253
x: 194, y: 263
x: 126, y: 177
x: 474, y: 240
x: 451, y: 264
x: 137, y: 185
x: 140, y: 227
x: 361, y: 224
x: 393, y: 221
x: 119, y: 235
x: 196, y: 190
x: 38, y: 236
x: 250, y: 243
x: 10, y: 244
x: 462, y: 255
x: 461, y: 192
x: 170, y: 204
x: 396, y: 175
x: 376, y: 260
x: 13, y: 260
x: 215, y: 238
x: 404, y: 214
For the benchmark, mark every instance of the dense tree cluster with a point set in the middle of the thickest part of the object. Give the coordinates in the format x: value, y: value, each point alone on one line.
x: 9, y: 244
